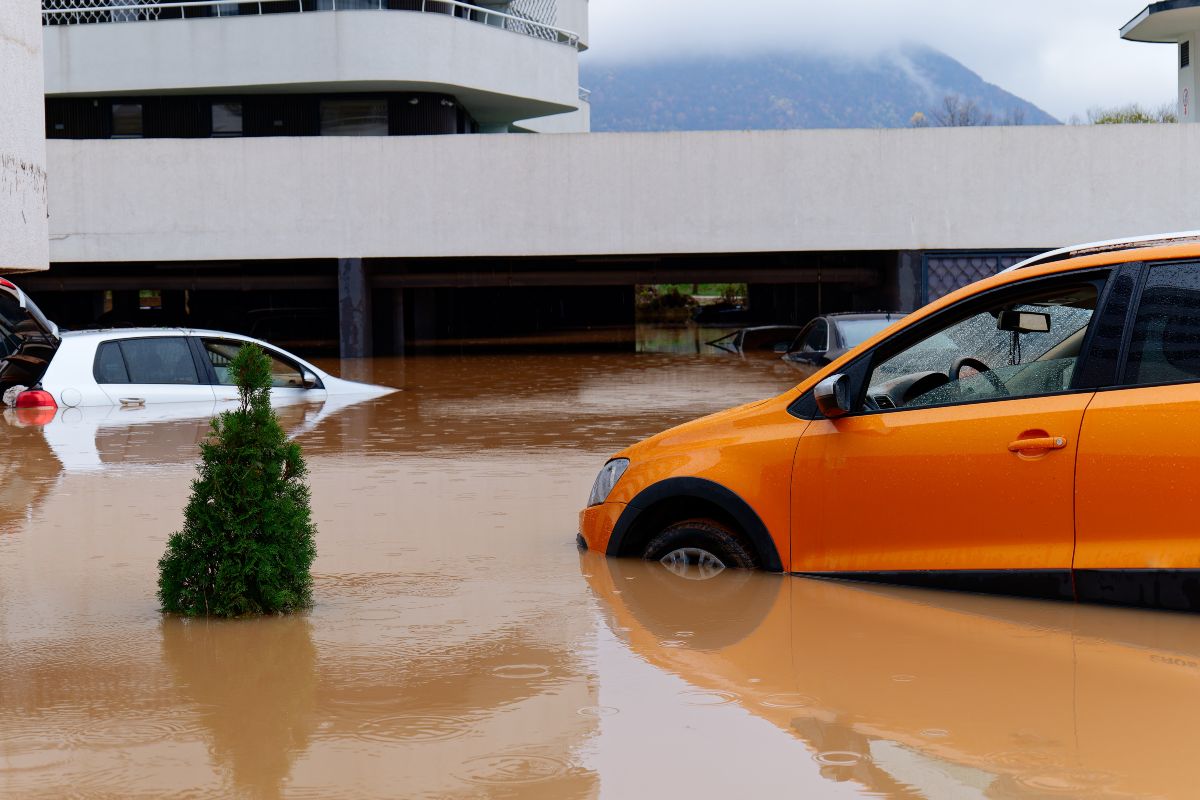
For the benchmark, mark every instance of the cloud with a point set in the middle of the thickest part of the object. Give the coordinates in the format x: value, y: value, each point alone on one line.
x: 1064, y: 55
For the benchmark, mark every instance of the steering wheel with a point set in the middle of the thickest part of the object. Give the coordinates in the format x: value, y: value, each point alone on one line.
x: 983, y: 369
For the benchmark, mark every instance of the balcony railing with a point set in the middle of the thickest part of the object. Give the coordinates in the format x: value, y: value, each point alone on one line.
x: 75, y: 12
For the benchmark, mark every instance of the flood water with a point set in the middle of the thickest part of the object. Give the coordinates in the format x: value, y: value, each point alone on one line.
x: 460, y: 645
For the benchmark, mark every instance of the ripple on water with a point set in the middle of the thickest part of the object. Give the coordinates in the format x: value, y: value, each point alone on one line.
x: 708, y: 698
x: 598, y: 711
x: 125, y: 732
x: 788, y: 700
x: 413, y: 728
x: 504, y: 769
x: 1024, y: 760
x: 521, y: 671
x: 838, y: 758
x: 1067, y: 781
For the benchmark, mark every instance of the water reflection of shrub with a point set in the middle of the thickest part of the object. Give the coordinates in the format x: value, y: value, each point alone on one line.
x: 253, y: 684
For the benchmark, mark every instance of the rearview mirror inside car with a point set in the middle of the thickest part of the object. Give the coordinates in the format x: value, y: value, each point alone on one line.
x: 1023, y: 322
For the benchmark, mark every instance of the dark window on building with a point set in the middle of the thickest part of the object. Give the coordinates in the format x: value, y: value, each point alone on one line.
x: 354, y: 116
x: 227, y: 119
x: 77, y: 118
x: 175, y: 118
x: 285, y: 115
x: 1165, y: 347
x: 110, y: 366
x: 166, y: 360
x: 126, y: 120
x: 1185, y: 54
x: 423, y: 114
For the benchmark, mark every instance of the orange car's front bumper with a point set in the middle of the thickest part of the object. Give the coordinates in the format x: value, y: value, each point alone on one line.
x: 596, y: 524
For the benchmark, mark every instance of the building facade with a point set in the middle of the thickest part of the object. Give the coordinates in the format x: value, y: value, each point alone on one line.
x: 23, y: 230
x: 123, y: 69
x: 327, y: 164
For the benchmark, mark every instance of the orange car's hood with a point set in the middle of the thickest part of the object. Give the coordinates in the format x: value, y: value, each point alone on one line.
x: 705, y: 428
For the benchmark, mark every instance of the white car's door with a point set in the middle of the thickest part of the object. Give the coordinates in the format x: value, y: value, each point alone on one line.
x: 287, y: 375
x: 150, y: 369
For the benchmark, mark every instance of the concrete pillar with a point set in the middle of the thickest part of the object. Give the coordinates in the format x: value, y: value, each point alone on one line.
x: 398, y: 340
x: 909, y: 284
x: 354, y: 308
x: 24, y: 235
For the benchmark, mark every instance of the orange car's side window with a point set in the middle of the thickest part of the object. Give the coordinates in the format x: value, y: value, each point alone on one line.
x: 1165, y: 343
x: 1019, y: 347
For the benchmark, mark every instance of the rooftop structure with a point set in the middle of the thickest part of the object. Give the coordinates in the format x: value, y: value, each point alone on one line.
x: 200, y: 68
x: 1172, y: 22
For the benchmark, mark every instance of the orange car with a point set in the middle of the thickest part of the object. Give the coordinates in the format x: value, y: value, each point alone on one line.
x: 1035, y: 433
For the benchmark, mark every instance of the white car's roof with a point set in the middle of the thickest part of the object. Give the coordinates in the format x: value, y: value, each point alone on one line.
x: 137, y: 333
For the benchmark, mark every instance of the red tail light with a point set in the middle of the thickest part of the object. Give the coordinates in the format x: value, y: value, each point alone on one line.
x: 36, y: 398
x: 6, y: 284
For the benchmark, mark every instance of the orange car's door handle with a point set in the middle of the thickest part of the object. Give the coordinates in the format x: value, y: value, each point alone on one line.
x: 1038, y: 443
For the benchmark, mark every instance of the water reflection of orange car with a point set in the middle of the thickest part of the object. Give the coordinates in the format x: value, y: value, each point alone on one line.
x: 916, y: 693
x: 1033, y: 433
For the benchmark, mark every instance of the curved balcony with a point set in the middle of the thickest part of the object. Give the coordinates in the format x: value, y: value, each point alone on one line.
x: 529, y: 17
x: 499, y: 71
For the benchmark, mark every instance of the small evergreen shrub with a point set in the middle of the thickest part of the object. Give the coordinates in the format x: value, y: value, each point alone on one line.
x: 247, y: 541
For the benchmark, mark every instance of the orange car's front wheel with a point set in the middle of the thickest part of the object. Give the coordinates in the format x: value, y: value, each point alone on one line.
x: 703, y: 546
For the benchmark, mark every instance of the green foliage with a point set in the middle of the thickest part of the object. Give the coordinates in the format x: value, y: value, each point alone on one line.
x: 247, y: 541
x: 1131, y: 114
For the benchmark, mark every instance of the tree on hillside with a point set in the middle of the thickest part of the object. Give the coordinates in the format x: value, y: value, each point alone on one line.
x: 957, y: 111
x: 1131, y: 114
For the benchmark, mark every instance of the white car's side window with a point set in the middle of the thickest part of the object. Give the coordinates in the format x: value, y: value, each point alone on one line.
x: 284, y: 374
x: 164, y: 360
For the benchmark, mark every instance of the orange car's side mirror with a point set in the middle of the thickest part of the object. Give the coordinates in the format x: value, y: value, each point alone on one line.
x: 832, y: 396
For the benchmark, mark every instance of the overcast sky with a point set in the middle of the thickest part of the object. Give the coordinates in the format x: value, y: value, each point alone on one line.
x: 1065, y: 56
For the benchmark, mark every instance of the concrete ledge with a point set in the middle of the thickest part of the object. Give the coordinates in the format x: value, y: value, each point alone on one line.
x: 500, y: 75
x: 613, y: 194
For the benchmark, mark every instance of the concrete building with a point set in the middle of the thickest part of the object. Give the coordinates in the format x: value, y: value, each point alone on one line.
x: 1172, y: 22
x: 23, y: 237
x: 274, y: 72
x: 193, y: 178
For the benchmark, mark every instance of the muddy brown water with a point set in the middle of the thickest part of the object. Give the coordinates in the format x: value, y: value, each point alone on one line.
x: 460, y: 646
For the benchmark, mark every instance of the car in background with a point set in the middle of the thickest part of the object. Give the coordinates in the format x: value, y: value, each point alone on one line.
x: 138, y: 366
x: 1033, y: 433
x: 762, y: 338
x: 827, y: 337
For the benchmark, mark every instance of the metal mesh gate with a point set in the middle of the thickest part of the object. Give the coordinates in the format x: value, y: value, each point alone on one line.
x: 942, y: 273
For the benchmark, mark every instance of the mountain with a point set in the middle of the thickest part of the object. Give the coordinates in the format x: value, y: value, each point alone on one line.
x: 798, y: 90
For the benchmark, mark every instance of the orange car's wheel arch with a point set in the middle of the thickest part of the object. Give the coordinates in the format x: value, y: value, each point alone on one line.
x: 677, y: 499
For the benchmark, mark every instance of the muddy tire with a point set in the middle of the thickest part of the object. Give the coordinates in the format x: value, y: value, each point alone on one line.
x: 701, y: 539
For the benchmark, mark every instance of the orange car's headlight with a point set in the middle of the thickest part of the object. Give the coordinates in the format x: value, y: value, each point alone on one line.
x: 607, y: 479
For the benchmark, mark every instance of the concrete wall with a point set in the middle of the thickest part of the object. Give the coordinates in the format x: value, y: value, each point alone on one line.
x: 573, y: 15
x: 619, y: 193
x: 499, y: 75
x: 23, y: 243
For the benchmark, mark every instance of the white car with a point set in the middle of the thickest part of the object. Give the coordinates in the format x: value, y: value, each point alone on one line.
x: 139, y: 366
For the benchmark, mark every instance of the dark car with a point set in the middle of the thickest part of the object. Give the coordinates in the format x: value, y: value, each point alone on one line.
x: 827, y: 337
